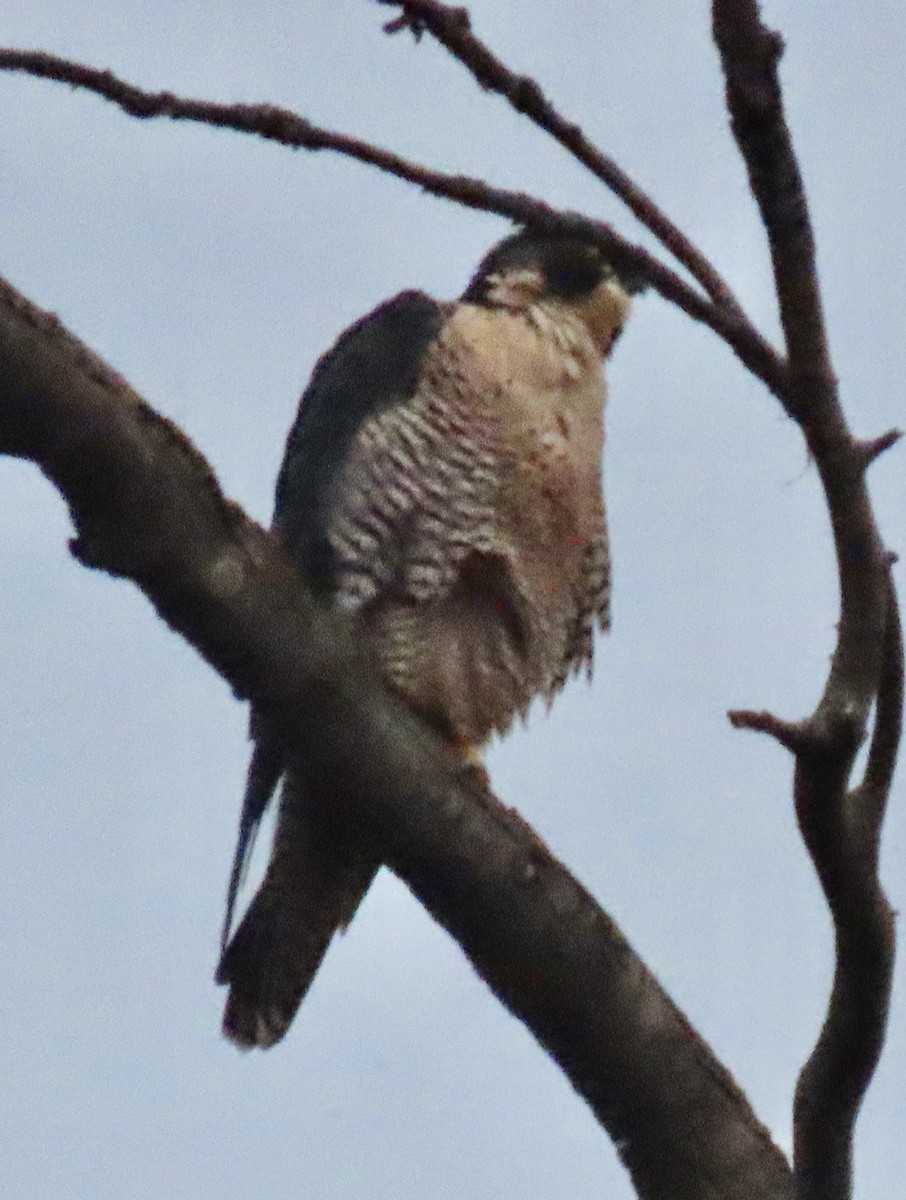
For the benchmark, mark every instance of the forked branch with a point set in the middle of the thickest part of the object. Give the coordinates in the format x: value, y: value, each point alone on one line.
x: 533, y: 933
x: 290, y: 129
x: 452, y: 27
x: 844, y: 841
x: 841, y: 828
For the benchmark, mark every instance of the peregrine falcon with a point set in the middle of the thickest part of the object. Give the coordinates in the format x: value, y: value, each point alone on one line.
x: 442, y: 484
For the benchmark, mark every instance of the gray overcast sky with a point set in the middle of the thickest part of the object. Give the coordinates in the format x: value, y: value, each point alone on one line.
x: 211, y: 270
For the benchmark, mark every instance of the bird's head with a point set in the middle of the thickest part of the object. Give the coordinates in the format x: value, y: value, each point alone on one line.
x: 531, y: 268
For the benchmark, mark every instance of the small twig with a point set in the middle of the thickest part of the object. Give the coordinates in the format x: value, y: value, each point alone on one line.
x: 452, y: 28
x: 873, y: 448
x: 290, y: 129
x: 796, y: 736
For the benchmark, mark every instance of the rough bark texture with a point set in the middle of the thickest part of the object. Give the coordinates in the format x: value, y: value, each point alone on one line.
x: 147, y: 507
x: 840, y: 826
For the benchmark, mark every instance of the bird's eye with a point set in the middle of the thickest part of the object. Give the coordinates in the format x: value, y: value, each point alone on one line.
x: 574, y: 278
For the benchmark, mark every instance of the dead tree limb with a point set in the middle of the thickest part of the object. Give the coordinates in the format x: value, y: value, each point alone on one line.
x: 290, y: 129
x: 147, y: 507
x: 452, y: 27
x: 841, y: 827
x: 239, y: 573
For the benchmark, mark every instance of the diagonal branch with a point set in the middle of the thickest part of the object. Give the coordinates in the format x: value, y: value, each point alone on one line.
x: 147, y: 507
x: 229, y: 593
x: 289, y: 129
x: 452, y: 28
x: 841, y: 828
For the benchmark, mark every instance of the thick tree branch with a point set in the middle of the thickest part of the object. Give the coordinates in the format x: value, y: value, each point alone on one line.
x: 841, y: 828
x: 453, y: 29
x: 147, y: 507
x: 289, y: 129
x: 531, y: 931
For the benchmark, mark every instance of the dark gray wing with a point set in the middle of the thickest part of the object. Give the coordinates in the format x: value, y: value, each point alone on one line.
x: 374, y: 366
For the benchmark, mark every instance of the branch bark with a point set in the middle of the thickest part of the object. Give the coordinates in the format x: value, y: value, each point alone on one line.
x: 452, y: 27
x: 147, y: 507
x: 840, y: 827
x: 290, y: 129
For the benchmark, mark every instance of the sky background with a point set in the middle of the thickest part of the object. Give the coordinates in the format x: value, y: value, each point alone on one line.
x: 211, y: 270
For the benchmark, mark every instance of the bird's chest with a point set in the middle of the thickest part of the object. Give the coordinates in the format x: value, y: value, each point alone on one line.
x: 540, y: 389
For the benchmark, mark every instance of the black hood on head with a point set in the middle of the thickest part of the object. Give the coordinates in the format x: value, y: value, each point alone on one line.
x: 571, y: 266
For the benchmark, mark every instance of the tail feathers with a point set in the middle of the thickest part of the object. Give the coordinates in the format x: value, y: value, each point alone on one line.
x: 312, y: 888
x: 264, y: 773
x: 269, y: 966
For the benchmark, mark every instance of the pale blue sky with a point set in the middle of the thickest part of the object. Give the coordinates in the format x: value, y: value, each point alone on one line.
x: 212, y: 270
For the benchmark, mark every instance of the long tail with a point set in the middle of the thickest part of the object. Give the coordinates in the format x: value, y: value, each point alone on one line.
x: 312, y: 888
x: 264, y: 774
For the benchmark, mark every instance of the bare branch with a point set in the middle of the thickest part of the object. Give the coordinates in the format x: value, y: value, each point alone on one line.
x: 290, y: 129
x: 749, y: 54
x: 871, y: 797
x: 399, y: 786
x: 146, y: 506
x: 452, y: 28
x: 875, y: 447
x: 841, y: 829
x: 845, y: 845
x: 796, y: 736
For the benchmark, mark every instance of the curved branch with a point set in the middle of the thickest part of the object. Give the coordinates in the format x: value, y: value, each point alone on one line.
x: 845, y: 846
x: 146, y: 506
x: 290, y: 129
x: 452, y: 28
x: 841, y: 828
x: 882, y: 754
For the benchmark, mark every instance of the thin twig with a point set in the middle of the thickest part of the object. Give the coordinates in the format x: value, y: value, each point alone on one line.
x: 290, y: 129
x: 873, y: 448
x: 795, y: 736
x: 451, y: 26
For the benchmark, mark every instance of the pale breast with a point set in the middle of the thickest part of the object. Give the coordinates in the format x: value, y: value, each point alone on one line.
x: 547, y: 384
x: 471, y: 534
x: 541, y: 378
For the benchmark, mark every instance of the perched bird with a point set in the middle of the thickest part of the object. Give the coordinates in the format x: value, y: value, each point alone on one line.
x: 442, y: 483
